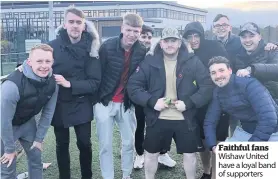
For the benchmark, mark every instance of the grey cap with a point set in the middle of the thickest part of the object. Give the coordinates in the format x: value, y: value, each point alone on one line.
x: 170, y: 32
x: 249, y: 27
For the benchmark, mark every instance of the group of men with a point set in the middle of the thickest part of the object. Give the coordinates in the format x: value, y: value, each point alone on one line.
x: 186, y: 88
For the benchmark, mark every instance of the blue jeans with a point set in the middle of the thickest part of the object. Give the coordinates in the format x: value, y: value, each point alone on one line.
x: 25, y: 133
x: 241, y: 136
x: 105, y: 117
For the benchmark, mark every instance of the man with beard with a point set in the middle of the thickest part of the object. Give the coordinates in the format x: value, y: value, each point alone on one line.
x: 205, y: 50
x: 77, y: 72
x: 253, y: 60
x: 170, y: 103
x: 244, y: 99
x: 164, y: 158
x: 119, y: 57
x: 24, y: 95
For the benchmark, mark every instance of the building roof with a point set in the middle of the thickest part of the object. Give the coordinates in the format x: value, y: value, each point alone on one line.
x: 34, y: 4
x: 118, y: 18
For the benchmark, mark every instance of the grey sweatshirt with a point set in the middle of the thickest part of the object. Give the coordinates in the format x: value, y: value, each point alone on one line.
x: 9, y: 99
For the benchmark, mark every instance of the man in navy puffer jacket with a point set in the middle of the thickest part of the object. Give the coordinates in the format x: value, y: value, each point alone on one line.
x: 244, y: 99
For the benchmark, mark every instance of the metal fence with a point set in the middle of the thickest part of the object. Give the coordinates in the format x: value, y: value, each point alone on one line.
x: 9, y: 61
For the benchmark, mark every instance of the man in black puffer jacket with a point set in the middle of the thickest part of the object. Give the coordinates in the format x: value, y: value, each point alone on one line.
x: 78, y: 72
x: 119, y: 56
x: 205, y: 50
x: 255, y: 61
x: 164, y: 158
x: 165, y: 84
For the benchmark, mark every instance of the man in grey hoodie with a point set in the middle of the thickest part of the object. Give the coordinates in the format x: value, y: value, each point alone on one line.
x: 25, y: 94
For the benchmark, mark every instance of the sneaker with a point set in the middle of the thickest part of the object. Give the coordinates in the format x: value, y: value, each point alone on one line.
x: 127, y: 177
x: 22, y: 175
x: 206, y: 176
x: 166, y: 160
x: 139, y: 162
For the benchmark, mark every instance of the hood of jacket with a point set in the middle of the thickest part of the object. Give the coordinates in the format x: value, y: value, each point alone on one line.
x: 259, y: 50
x: 185, y: 52
x: 92, y: 32
x: 156, y: 47
x: 28, y: 72
x: 194, y: 27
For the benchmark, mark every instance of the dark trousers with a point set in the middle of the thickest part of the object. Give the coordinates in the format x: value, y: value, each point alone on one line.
x: 83, y: 135
x: 140, y: 130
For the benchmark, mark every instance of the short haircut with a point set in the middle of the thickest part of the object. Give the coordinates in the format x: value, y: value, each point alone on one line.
x: 133, y: 20
x: 218, y: 60
x: 146, y: 29
x: 219, y: 16
x: 43, y: 47
x: 75, y: 11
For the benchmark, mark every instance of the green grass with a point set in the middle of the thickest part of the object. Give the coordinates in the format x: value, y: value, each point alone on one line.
x: 49, y: 155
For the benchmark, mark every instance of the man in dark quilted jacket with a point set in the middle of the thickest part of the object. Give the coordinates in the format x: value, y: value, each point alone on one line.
x: 244, y: 99
x: 253, y: 60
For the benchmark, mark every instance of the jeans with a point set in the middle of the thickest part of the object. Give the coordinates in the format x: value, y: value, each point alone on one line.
x: 25, y: 133
x: 241, y: 136
x: 105, y: 117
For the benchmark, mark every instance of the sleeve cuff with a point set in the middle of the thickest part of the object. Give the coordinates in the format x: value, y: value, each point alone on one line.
x: 151, y: 102
x: 38, y: 140
x: 189, y: 104
x: 10, y: 150
x: 212, y: 147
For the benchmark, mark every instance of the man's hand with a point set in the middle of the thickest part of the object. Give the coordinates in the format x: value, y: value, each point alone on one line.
x: 38, y: 145
x: 160, y: 104
x: 60, y: 80
x: 243, y: 73
x: 8, y: 158
x: 270, y: 46
x: 214, y: 149
x: 180, y: 105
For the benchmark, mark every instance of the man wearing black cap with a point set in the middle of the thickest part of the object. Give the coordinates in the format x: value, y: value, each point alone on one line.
x: 164, y: 158
x: 170, y: 103
x: 206, y: 49
x: 255, y: 61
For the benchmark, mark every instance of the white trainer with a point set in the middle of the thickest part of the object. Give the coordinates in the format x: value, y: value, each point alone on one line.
x: 22, y: 175
x: 166, y: 160
x: 127, y: 177
x: 139, y: 162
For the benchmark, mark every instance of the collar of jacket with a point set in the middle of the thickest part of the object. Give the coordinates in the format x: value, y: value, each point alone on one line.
x: 85, y: 41
x: 229, y: 85
x: 231, y: 37
x: 158, y: 62
x: 119, y: 45
x: 258, y: 51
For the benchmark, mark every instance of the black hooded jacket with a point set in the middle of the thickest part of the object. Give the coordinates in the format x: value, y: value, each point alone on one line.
x: 264, y: 66
x: 77, y: 63
x: 208, y: 48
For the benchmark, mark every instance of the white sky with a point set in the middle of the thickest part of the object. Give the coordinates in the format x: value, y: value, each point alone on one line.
x: 211, y: 3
